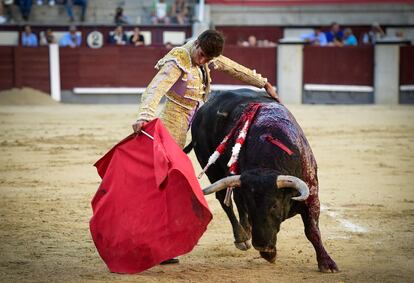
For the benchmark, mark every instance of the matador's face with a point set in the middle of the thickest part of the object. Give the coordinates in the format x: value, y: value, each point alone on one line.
x: 198, y: 56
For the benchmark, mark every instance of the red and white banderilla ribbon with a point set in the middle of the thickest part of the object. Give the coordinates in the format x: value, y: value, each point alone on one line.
x: 246, y: 119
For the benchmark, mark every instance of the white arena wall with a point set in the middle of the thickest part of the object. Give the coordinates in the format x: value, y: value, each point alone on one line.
x: 312, y: 15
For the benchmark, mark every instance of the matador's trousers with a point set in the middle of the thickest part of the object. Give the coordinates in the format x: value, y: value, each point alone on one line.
x: 177, y: 120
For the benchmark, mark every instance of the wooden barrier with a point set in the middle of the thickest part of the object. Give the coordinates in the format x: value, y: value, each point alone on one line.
x: 34, y: 67
x: 24, y: 67
x: 126, y: 66
x: 117, y: 66
x: 261, y: 59
x: 406, y: 65
x: 338, y: 65
x: 6, y: 67
x: 123, y: 66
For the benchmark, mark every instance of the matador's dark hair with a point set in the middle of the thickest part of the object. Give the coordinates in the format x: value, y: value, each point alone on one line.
x: 211, y: 42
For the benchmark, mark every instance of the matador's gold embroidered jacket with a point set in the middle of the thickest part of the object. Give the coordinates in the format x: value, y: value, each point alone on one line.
x: 186, y: 86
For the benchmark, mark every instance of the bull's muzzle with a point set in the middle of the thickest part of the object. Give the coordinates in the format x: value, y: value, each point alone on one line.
x: 268, y: 253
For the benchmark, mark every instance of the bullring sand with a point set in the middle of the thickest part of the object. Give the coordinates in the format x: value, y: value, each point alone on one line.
x: 366, y: 167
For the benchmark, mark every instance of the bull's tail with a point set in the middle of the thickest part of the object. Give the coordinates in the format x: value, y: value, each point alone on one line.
x: 188, y: 147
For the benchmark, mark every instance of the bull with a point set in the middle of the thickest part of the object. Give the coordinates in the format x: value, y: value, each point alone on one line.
x: 277, y: 172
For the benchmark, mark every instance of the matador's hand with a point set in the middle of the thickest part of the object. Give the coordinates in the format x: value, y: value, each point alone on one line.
x: 137, y: 126
x: 271, y: 92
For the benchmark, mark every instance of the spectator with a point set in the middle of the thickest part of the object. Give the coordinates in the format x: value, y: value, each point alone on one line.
x: 72, y: 38
x: 137, y: 39
x: 25, y: 7
x: 240, y: 42
x: 6, y: 14
x: 160, y: 12
x: 47, y: 37
x: 179, y: 12
x: 375, y: 33
x: 29, y: 39
x: 118, y: 37
x: 69, y: 8
x: 169, y: 45
x: 266, y: 43
x: 398, y: 36
x: 335, y: 34
x: 349, y: 38
x: 3, y: 19
x: 252, y: 41
x: 317, y: 37
x: 120, y: 18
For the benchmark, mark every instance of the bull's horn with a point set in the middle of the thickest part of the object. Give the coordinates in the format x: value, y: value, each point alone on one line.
x: 284, y: 181
x: 231, y: 181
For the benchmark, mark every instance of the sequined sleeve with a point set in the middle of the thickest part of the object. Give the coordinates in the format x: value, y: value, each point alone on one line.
x: 168, y: 74
x: 238, y: 71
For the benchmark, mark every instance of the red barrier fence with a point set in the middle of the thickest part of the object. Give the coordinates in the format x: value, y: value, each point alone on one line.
x: 301, y: 2
x: 338, y: 65
x: 126, y: 66
x: 263, y: 60
x: 6, y: 67
x: 118, y: 66
x: 22, y: 67
x: 406, y: 65
x: 32, y: 68
x: 121, y: 66
x: 134, y: 67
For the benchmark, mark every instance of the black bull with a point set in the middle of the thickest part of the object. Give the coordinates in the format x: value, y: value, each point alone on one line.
x: 261, y: 207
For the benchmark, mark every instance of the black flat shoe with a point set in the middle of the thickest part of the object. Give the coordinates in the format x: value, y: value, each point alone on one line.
x: 170, y: 261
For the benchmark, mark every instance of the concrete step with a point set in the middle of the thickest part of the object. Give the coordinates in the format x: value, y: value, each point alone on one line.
x: 99, y: 12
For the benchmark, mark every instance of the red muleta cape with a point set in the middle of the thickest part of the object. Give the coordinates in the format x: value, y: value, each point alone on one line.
x: 149, y: 206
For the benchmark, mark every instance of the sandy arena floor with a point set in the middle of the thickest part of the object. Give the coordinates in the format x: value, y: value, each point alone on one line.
x: 366, y: 172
